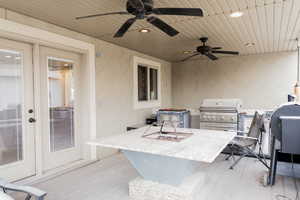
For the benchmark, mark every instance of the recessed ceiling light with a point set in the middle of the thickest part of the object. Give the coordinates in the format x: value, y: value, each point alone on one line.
x: 250, y: 44
x: 144, y: 30
x: 8, y: 56
x: 186, y: 52
x: 236, y: 14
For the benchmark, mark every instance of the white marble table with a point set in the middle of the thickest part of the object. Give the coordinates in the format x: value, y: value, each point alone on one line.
x: 169, y: 170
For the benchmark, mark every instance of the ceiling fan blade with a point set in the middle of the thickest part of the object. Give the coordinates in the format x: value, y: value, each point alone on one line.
x: 216, y: 48
x: 227, y: 52
x: 187, y: 58
x: 211, y: 56
x: 179, y: 11
x: 125, y: 27
x: 104, y: 14
x: 137, y: 4
x: 162, y: 26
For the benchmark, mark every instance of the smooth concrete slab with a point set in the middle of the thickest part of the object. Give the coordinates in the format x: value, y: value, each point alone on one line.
x: 108, y: 180
x: 4, y: 196
x: 203, y: 145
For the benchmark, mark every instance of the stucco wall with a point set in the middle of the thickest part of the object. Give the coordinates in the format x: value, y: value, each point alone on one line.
x: 114, y: 80
x: 261, y: 81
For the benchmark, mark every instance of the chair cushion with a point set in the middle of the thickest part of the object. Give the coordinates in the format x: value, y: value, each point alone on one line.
x: 4, y: 196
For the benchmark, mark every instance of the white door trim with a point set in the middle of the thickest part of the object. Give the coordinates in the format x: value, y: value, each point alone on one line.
x: 36, y: 36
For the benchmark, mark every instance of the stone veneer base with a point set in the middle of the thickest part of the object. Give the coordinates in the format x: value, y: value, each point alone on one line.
x: 140, y: 189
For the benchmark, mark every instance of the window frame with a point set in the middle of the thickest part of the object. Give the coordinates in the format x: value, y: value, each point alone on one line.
x: 150, y: 65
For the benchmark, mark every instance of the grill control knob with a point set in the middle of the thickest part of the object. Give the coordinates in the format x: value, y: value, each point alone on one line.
x: 32, y: 120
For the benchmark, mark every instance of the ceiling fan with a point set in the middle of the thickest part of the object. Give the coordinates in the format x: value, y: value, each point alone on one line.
x: 142, y: 9
x: 208, y: 51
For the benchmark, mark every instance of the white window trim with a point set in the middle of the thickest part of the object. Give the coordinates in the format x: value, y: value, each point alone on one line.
x: 151, y: 64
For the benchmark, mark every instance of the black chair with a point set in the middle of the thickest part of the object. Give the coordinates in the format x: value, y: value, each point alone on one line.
x: 246, y: 145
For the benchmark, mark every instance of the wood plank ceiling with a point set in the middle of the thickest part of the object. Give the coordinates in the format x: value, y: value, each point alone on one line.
x: 272, y: 25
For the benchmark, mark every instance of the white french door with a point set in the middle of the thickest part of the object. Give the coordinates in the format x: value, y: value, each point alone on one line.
x: 60, y: 102
x: 17, y: 146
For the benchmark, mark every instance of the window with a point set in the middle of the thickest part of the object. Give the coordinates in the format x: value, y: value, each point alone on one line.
x: 153, y: 84
x: 146, y: 83
x: 61, y: 103
x: 142, y: 83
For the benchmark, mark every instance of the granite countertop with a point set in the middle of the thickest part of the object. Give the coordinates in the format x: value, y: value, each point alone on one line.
x: 203, y: 145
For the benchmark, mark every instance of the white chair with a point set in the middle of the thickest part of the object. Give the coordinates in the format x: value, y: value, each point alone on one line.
x: 29, y: 191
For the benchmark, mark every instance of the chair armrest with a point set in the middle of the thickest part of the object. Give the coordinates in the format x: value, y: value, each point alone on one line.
x: 245, y: 137
x: 244, y: 132
x: 39, y: 194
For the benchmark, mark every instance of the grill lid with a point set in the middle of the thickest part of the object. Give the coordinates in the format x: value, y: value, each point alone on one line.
x: 221, y: 105
x: 291, y: 110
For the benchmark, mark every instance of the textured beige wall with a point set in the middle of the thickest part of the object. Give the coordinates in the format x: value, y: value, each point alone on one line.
x: 114, y: 79
x: 2, y: 13
x: 261, y: 81
x: 115, y: 93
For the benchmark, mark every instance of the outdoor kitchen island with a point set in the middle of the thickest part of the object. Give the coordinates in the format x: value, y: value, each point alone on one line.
x: 171, y: 166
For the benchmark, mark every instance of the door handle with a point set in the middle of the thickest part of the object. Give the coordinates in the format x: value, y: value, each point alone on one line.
x: 32, y: 120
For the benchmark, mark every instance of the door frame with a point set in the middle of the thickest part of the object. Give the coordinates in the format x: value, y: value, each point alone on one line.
x: 36, y: 37
x: 26, y: 166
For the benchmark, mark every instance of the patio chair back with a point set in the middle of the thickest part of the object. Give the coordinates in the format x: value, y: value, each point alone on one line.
x: 257, y: 126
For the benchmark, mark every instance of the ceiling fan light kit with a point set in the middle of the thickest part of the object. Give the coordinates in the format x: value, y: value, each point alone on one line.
x: 144, y: 30
x: 250, y: 44
x: 144, y: 9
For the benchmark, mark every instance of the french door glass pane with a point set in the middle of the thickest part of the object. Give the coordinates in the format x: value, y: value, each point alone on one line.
x: 61, y: 104
x: 153, y: 84
x: 142, y: 83
x: 11, y: 102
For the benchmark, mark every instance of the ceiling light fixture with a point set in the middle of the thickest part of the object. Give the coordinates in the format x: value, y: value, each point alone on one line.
x: 236, y: 14
x: 250, y: 44
x: 144, y: 30
x: 7, y: 56
x: 66, y: 65
x: 186, y: 52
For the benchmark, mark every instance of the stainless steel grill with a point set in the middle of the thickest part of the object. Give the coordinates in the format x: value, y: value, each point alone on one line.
x: 220, y: 114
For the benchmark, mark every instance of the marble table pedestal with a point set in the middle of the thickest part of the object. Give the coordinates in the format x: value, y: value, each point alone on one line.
x: 164, y: 178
